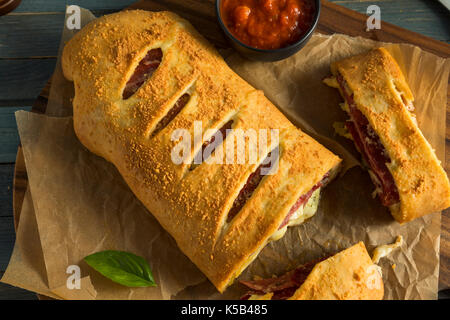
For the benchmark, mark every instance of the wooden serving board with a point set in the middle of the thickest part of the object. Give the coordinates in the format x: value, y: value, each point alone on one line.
x: 333, y: 19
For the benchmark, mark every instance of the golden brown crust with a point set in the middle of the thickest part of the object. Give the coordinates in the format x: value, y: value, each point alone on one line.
x: 191, y: 205
x: 348, y: 275
x: 378, y: 85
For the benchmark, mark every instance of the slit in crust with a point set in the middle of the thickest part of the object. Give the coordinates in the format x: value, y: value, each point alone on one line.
x: 303, y: 200
x: 224, y: 131
x: 302, y: 210
x: 143, y: 71
x: 173, y: 112
x: 250, y: 186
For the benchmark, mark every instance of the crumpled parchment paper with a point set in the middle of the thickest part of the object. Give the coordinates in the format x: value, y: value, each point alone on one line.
x: 78, y: 204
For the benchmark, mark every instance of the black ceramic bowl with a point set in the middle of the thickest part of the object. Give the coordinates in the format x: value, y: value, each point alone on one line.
x: 264, y: 54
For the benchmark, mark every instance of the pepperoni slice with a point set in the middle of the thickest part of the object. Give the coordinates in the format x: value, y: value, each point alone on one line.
x: 142, y: 72
x: 223, y: 131
x: 252, y: 183
x: 250, y: 186
x: 173, y: 112
x: 284, y: 286
x: 371, y: 148
x: 303, y: 199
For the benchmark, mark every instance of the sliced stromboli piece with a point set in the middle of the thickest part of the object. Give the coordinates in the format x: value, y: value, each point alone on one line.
x: 407, y: 174
x: 191, y: 87
x: 348, y: 275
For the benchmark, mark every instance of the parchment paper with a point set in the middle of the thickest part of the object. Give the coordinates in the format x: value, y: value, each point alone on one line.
x: 78, y: 204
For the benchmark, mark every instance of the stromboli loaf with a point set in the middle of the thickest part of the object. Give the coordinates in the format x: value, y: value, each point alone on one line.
x: 380, y: 102
x: 190, y: 203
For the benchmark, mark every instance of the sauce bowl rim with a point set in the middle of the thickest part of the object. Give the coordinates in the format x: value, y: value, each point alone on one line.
x: 287, y: 48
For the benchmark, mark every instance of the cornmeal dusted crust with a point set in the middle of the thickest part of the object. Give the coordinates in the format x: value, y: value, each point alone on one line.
x: 378, y: 85
x: 191, y: 205
x: 348, y: 275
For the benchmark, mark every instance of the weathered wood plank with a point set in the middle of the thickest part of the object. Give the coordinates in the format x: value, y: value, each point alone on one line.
x: 8, y: 292
x: 7, y: 239
x: 6, y: 190
x: 38, y: 35
x: 338, y: 19
x: 9, y: 137
x: 334, y: 19
x: 426, y: 17
x: 444, y: 294
x: 7, y: 233
x: 23, y: 80
x: 28, y: 36
x: 60, y: 5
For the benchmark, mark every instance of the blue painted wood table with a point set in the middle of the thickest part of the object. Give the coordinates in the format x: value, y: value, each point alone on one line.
x: 29, y: 40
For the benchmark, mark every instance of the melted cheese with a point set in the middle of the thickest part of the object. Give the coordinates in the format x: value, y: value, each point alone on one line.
x: 344, y: 106
x: 376, y: 182
x: 278, y: 234
x: 267, y: 296
x: 301, y: 215
x: 306, y: 211
x: 341, y: 129
x: 384, y: 250
x: 331, y: 82
x: 298, y: 217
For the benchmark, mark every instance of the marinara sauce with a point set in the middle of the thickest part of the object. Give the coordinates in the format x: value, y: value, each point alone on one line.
x: 268, y: 24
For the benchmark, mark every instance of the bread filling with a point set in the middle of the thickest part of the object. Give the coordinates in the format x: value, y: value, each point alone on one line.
x: 299, y: 204
x: 369, y: 145
x: 279, y: 288
x: 143, y: 71
x: 384, y: 250
x: 300, y: 215
x: 252, y: 183
x: 224, y: 130
x: 304, y: 208
x: 250, y: 186
x: 173, y: 112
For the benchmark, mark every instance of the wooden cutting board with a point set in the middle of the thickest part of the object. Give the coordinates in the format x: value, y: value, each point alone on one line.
x: 333, y: 19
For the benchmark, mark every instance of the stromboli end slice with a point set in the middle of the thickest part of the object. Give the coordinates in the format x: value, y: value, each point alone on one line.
x: 404, y: 167
x: 130, y: 123
x: 347, y: 275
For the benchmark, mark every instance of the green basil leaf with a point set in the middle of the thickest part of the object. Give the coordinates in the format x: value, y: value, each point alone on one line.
x: 122, y: 267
